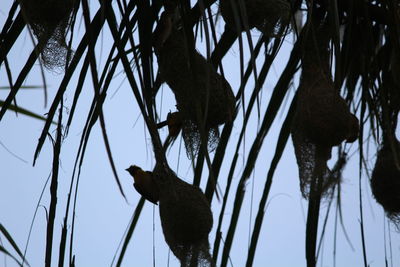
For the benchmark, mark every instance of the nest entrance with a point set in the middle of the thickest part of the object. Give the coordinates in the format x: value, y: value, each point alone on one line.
x: 204, y: 98
x: 186, y: 218
x: 385, y: 180
x: 192, y: 137
x: 49, y: 20
x: 312, y: 163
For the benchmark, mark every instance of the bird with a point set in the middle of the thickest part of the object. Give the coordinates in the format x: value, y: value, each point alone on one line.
x: 144, y: 183
x: 174, y: 123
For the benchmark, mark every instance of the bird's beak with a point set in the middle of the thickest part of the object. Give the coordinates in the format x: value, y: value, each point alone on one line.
x: 127, y: 169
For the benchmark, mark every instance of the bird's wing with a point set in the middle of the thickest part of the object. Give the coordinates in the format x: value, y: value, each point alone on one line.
x: 145, y: 194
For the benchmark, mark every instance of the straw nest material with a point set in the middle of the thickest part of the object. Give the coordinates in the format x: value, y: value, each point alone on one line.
x: 49, y: 20
x: 204, y: 98
x: 322, y: 119
x: 268, y: 16
x: 186, y: 218
x: 385, y: 180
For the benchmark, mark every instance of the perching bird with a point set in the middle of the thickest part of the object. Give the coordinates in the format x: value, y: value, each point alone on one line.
x: 174, y: 123
x: 144, y: 183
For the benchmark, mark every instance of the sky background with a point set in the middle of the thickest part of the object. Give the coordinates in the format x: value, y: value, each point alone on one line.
x: 102, y: 214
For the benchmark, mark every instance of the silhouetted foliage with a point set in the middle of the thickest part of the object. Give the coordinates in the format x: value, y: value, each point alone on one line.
x: 348, y: 53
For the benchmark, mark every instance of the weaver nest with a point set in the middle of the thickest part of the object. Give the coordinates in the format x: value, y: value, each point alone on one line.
x: 385, y: 180
x: 204, y: 98
x: 186, y: 218
x: 49, y: 20
x: 322, y: 119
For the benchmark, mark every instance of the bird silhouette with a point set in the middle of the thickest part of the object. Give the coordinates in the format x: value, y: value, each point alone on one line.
x: 144, y: 183
x: 174, y: 123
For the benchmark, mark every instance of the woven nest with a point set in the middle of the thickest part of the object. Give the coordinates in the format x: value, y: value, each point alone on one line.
x: 312, y: 163
x: 325, y: 117
x: 322, y: 118
x: 268, y: 16
x: 200, y: 92
x: 186, y: 219
x: 385, y: 181
x: 49, y: 20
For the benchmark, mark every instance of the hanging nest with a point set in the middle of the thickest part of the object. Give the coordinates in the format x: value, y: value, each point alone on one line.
x: 204, y: 98
x: 325, y: 117
x: 385, y: 180
x: 312, y: 163
x: 186, y: 218
x: 322, y: 119
x: 268, y: 16
x: 49, y: 20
